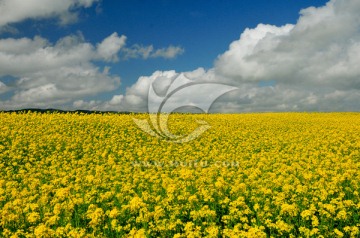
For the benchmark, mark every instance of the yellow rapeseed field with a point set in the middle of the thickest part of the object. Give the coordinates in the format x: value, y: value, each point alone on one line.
x: 249, y: 175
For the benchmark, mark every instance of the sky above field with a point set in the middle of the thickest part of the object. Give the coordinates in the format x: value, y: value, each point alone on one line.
x: 105, y: 55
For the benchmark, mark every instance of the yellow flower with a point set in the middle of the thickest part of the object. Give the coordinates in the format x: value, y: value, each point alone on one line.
x: 42, y: 231
x: 137, y: 233
x: 52, y: 220
x: 283, y: 226
x: 256, y: 207
x: 57, y: 209
x: 33, y: 217
x: 212, y: 231
x: 338, y: 233
x: 136, y: 203
x: 342, y: 215
x: 315, y: 221
x: 306, y: 214
x: 96, y: 215
x: 114, y: 213
x: 289, y: 209
x: 249, y: 175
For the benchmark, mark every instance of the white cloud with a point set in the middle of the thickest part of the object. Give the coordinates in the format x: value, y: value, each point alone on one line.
x: 138, y: 51
x: 321, y: 50
x: 168, y: 53
x: 136, y: 95
x: 116, y: 100
x: 68, y: 51
x: 163, y: 83
x: 115, y: 104
x: 62, y: 72
x: 237, y: 61
x: 13, y: 11
x: 145, y: 52
x: 308, y: 61
x: 109, y: 47
x: 83, y: 105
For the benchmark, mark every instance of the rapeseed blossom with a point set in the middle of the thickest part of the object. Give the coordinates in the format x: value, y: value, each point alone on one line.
x: 249, y: 175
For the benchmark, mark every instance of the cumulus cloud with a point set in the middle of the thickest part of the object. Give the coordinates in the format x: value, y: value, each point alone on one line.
x: 321, y: 50
x: 237, y: 61
x: 110, y: 46
x: 66, y: 52
x: 145, y: 52
x: 13, y: 11
x: 114, y: 104
x: 168, y: 53
x: 308, y: 66
x: 197, y: 90
x: 61, y: 73
x: 248, y: 97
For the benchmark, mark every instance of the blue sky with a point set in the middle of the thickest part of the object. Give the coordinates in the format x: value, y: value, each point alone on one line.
x: 203, y: 28
x: 200, y: 33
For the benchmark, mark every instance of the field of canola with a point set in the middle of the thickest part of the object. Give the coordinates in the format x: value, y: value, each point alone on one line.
x: 249, y: 175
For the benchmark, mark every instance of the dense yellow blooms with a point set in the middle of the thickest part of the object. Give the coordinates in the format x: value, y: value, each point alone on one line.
x: 249, y: 175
